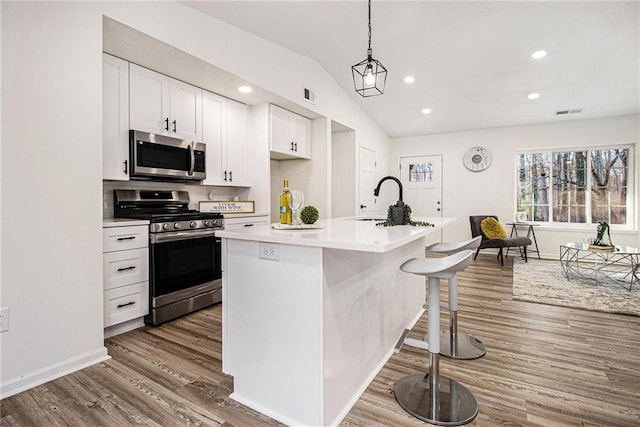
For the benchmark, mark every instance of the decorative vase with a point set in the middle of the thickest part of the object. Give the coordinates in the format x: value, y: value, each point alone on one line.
x: 397, y: 215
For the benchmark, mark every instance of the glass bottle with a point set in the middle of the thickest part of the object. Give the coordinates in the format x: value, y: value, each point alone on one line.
x: 285, y: 204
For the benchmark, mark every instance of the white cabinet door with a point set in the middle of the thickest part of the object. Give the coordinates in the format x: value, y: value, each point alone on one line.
x: 214, y: 136
x: 115, y: 118
x: 290, y: 135
x: 280, y: 137
x: 149, y: 100
x: 236, y: 148
x: 224, y: 130
x: 185, y: 117
x: 301, y: 136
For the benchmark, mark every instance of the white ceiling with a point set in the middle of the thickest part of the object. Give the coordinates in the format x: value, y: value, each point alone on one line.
x: 471, y: 60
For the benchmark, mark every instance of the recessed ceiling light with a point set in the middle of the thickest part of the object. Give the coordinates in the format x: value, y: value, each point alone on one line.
x: 245, y: 89
x: 409, y: 79
x: 426, y: 111
x: 534, y: 95
x: 539, y: 54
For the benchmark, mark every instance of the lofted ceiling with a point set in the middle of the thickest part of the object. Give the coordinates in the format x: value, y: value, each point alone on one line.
x: 471, y: 60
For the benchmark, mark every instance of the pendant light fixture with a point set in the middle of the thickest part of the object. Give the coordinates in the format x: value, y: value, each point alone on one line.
x: 369, y: 76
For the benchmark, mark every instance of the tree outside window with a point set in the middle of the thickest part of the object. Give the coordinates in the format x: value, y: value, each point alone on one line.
x: 585, y: 186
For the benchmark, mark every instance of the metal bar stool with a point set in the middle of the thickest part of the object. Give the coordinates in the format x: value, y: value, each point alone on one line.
x: 431, y: 397
x: 457, y: 345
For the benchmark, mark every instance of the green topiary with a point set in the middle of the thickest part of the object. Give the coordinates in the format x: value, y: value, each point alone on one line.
x: 309, y: 214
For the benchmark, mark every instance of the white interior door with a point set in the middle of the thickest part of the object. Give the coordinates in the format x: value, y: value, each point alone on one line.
x: 367, y: 161
x: 421, y: 179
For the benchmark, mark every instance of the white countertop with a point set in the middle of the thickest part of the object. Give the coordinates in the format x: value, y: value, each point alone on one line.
x: 123, y: 222
x: 342, y: 233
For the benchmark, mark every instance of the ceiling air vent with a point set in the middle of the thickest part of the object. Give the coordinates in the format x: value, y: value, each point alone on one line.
x: 309, y: 95
x: 573, y: 111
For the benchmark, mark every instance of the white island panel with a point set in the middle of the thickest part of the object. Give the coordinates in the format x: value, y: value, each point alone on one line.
x: 368, y: 302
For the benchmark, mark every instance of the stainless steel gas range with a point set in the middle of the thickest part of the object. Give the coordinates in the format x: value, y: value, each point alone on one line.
x: 185, y: 271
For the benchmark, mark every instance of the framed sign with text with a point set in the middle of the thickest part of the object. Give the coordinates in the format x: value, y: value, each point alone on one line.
x: 227, y: 206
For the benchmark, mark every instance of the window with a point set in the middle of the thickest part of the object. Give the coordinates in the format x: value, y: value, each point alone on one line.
x: 421, y: 172
x: 581, y: 186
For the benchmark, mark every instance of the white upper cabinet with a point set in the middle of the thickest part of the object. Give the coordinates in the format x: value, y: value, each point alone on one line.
x: 224, y: 131
x: 290, y: 134
x: 165, y: 106
x: 115, y: 118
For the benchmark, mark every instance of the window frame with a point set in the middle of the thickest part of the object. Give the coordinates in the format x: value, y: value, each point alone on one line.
x: 631, y: 199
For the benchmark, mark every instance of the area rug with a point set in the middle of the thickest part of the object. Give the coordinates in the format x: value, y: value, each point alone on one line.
x: 544, y: 282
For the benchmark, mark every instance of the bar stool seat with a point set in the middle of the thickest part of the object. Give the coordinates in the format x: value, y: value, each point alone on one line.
x: 457, y: 345
x: 431, y: 397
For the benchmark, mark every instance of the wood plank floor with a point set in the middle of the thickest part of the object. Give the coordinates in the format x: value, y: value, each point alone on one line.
x: 545, y: 366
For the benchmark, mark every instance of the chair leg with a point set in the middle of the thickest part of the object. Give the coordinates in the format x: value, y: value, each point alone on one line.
x: 501, y: 258
x: 524, y: 249
x: 476, y: 255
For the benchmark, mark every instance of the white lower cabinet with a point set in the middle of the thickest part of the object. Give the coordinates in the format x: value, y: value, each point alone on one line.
x: 125, y: 277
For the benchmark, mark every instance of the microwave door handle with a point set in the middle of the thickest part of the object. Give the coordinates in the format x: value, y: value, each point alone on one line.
x: 192, y: 158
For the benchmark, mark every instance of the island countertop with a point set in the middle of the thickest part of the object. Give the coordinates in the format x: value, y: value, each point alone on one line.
x: 342, y: 233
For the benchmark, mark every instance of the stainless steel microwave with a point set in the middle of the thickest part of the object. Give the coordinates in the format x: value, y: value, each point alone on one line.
x: 161, y: 157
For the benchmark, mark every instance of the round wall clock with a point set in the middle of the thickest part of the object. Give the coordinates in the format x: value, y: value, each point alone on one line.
x: 477, y: 159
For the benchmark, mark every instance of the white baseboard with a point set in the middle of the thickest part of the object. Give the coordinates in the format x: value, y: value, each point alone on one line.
x: 51, y: 372
x: 123, y: 327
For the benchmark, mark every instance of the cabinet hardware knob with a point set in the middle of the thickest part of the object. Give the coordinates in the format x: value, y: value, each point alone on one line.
x: 296, y: 145
x: 166, y: 124
x: 174, y: 126
x: 225, y: 176
x: 126, y: 169
x: 291, y: 145
x: 362, y: 206
x: 230, y: 176
x: 126, y: 268
x: 126, y: 238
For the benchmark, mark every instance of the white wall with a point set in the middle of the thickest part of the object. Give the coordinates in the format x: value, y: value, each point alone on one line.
x: 51, y: 160
x: 492, y: 191
x: 51, y: 191
x: 343, y: 174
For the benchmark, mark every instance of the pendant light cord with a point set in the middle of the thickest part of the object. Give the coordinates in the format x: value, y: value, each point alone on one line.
x: 369, y: 50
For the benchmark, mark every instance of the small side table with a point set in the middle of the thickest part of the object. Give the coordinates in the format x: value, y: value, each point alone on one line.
x: 530, y: 233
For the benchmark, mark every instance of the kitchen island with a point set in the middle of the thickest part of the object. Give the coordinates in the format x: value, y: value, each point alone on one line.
x: 310, y: 316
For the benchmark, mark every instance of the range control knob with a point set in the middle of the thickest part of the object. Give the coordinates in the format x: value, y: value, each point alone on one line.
x: 177, y: 226
x: 166, y: 226
x: 193, y: 224
x: 207, y: 223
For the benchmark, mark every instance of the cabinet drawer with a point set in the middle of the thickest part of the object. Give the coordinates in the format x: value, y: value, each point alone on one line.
x: 126, y: 303
x: 121, y: 238
x: 125, y: 267
x: 240, y: 223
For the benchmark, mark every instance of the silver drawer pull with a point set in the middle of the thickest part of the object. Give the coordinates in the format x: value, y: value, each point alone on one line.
x: 126, y: 268
x: 124, y: 305
x: 126, y: 238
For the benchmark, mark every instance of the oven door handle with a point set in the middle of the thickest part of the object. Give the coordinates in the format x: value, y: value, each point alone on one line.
x: 180, y: 235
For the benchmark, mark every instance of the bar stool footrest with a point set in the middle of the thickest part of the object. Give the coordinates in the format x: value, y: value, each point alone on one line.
x: 453, y: 405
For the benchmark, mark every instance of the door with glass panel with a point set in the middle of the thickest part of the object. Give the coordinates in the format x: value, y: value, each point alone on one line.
x: 421, y: 179
x: 367, y: 183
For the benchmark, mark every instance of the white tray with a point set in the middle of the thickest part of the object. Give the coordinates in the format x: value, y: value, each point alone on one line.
x: 279, y: 226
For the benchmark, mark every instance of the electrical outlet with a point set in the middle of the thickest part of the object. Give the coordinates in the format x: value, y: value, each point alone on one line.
x: 269, y: 251
x: 4, y: 319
